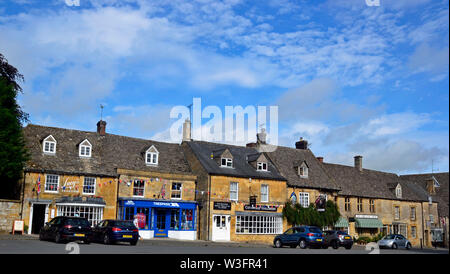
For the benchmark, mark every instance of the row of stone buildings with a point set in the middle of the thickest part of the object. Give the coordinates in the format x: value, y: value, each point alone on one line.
x: 210, y: 191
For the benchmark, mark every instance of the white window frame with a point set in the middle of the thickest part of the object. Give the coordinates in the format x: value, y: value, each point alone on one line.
x: 143, y: 188
x: 255, y: 224
x: 261, y: 166
x: 53, y: 183
x: 94, y: 185
x: 235, y: 191
x: 398, y: 191
x: 93, y: 213
x: 85, y: 150
x: 303, y: 199
x: 264, y: 194
x: 303, y: 171
x: 228, y: 162
x: 176, y: 191
x: 51, y: 149
x: 152, y: 156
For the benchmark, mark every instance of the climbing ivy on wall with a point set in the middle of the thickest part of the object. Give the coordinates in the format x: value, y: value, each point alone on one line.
x: 295, y: 214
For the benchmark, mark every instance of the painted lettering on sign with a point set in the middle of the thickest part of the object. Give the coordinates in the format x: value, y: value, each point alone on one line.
x: 69, y: 186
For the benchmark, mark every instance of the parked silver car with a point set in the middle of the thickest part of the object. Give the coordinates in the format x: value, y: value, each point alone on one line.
x: 394, y: 241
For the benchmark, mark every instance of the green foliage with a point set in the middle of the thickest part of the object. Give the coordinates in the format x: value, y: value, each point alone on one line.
x: 367, y: 239
x: 298, y: 215
x: 13, y: 153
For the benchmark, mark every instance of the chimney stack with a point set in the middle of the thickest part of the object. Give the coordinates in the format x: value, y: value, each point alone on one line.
x: 430, y: 186
x: 358, y: 162
x: 101, y: 128
x: 187, y: 131
x: 320, y: 159
x: 302, y: 144
x: 262, y: 136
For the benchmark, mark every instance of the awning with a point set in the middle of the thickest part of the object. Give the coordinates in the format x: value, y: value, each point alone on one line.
x: 342, y: 222
x: 368, y: 223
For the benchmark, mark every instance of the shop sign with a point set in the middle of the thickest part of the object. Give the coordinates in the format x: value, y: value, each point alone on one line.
x: 260, y: 208
x: 69, y: 186
x: 222, y: 205
x: 130, y: 203
x: 166, y: 204
x: 366, y: 216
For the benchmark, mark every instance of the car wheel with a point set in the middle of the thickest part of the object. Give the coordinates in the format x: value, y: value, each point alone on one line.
x: 106, y: 240
x: 394, y: 246
x: 302, y: 244
x: 58, y: 238
x: 408, y: 246
x: 335, y: 245
x: 278, y: 243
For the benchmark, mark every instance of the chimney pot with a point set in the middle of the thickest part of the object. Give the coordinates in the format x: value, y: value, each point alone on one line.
x: 358, y: 162
x: 262, y: 136
x: 101, y: 128
x: 187, y: 131
x: 320, y: 159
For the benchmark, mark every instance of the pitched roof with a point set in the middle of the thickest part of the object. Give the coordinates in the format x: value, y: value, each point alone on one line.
x: 109, y: 152
x: 287, y: 159
x: 241, y: 166
x: 442, y: 194
x: 371, y: 183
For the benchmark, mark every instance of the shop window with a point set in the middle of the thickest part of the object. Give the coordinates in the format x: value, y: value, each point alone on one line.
x: 129, y: 214
x: 187, y: 219
x: 138, y: 188
x: 176, y: 191
x: 174, y: 219
x: 143, y: 220
x: 259, y: 224
x: 51, y: 183
x: 89, y: 185
x: 93, y: 214
x: 303, y: 199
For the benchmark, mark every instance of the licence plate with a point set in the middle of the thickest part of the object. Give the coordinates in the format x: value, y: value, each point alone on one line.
x: 319, y: 240
x: 79, y: 235
x: 347, y: 238
x: 127, y: 236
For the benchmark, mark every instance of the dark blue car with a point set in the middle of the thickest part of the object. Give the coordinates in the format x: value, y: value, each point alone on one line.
x: 112, y: 231
x: 303, y: 236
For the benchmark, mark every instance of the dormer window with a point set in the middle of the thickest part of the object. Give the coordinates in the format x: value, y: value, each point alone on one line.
x: 398, y: 191
x: 303, y: 170
x: 227, y: 162
x: 261, y: 166
x: 151, y: 156
x: 49, y: 145
x: 85, y: 149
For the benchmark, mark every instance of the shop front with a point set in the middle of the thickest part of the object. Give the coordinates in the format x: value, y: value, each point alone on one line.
x: 161, y: 218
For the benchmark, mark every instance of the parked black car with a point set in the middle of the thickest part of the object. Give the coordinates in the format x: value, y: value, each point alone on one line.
x: 303, y: 236
x: 65, y: 229
x: 336, y: 238
x: 112, y: 231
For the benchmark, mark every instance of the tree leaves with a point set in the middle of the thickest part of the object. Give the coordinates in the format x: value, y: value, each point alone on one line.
x: 298, y: 215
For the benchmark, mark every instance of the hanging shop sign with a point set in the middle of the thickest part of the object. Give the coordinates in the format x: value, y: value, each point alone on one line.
x: 260, y: 207
x: 222, y: 205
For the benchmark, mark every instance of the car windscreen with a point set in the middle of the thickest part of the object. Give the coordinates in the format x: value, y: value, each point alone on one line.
x: 78, y: 222
x: 389, y: 237
x: 315, y: 230
x: 122, y: 223
x: 341, y: 233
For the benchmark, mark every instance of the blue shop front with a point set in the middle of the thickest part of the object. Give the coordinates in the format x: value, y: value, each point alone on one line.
x: 161, y: 218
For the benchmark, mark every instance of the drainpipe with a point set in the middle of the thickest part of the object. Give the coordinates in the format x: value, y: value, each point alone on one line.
x: 23, y: 195
x: 423, y: 228
x: 209, y: 206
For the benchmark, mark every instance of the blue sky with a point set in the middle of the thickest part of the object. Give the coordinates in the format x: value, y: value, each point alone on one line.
x: 350, y: 78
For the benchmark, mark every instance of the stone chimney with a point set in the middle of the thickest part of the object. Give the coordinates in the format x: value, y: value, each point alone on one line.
x: 320, y: 159
x: 358, y: 162
x: 302, y: 144
x: 101, y: 128
x: 262, y: 136
x: 187, y: 131
x: 431, y: 189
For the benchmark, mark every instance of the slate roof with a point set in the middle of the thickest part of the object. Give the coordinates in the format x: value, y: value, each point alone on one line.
x: 241, y: 166
x: 109, y: 152
x: 442, y: 194
x: 371, y: 183
x: 287, y: 159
